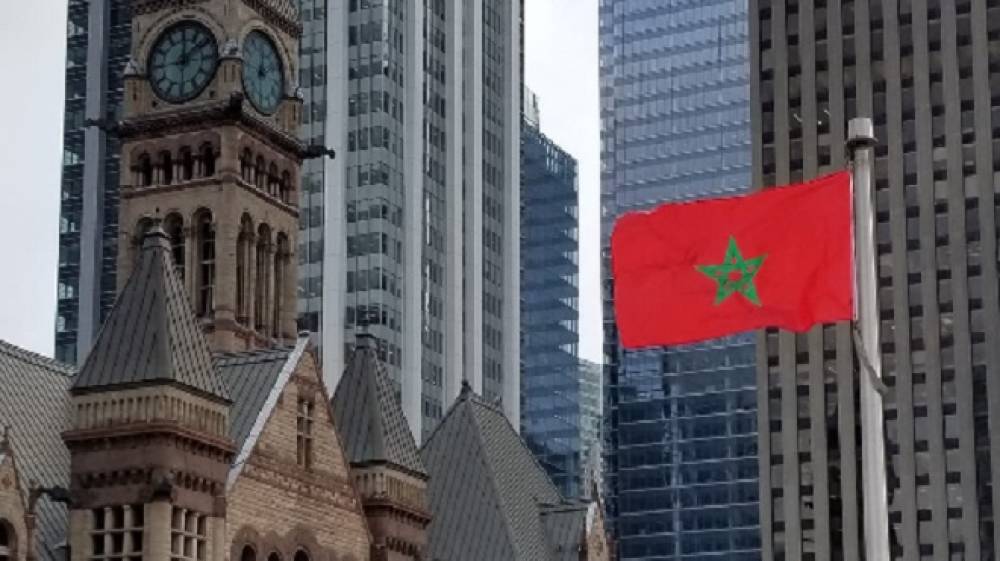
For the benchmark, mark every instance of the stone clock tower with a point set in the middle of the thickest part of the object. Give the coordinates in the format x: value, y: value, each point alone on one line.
x: 210, y: 152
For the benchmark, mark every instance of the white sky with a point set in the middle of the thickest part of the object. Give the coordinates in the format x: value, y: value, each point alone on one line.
x: 561, y: 59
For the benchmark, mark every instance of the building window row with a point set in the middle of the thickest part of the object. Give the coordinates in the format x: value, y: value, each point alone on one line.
x: 166, y: 167
x: 256, y: 171
x: 263, y: 259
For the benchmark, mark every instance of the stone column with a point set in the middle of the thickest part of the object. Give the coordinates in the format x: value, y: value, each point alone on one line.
x: 289, y: 326
x: 190, y: 261
x: 157, y: 531
x: 251, y: 279
x: 79, y: 534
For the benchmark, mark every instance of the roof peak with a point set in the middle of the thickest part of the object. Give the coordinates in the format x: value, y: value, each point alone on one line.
x: 369, y: 417
x: 151, y: 334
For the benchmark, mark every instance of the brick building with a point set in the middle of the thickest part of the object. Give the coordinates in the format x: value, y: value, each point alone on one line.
x: 199, y: 427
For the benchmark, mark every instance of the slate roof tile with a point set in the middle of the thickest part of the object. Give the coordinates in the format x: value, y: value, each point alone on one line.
x: 151, y: 333
x: 486, y: 490
x: 369, y: 417
x: 34, y: 403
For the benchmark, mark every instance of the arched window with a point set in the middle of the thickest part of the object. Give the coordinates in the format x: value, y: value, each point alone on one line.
x: 142, y: 227
x: 144, y: 171
x: 272, y: 180
x: 166, y: 168
x: 244, y: 245
x: 207, y: 160
x: 248, y: 554
x: 173, y: 225
x: 260, y: 173
x: 301, y: 555
x: 274, y: 556
x: 280, y: 278
x: 263, y: 282
x: 285, y: 187
x: 246, y: 166
x: 187, y: 164
x: 7, y: 541
x: 205, y: 246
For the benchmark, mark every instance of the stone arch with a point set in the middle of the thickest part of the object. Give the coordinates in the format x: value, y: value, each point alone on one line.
x: 281, y: 261
x: 143, y: 170
x: 173, y: 225
x: 246, y: 165
x: 262, y: 293
x: 204, y: 231
x: 206, y: 159
x: 185, y: 164
x: 8, y: 541
x: 260, y: 173
x: 244, y: 258
x: 272, y: 180
x: 165, y: 167
x: 285, y: 188
x: 248, y: 553
x: 142, y: 227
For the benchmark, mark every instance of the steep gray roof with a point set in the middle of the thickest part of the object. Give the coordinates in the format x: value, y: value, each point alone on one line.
x: 255, y: 380
x: 369, y: 417
x: 486, y: 490
x: 151, y: 334
x: 565, y: 528
x: 250, y: 378
x: 34, y: 403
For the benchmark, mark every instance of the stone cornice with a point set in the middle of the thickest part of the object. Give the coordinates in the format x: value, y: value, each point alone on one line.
x: 224, y: 112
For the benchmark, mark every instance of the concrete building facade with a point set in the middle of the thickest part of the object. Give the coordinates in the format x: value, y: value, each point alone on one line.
x: 926, y: 71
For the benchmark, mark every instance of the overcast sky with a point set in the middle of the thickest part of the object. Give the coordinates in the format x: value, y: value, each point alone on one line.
x: 561, y: 53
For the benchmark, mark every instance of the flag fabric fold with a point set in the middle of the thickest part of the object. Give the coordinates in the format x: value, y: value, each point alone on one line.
x: 781, y: 257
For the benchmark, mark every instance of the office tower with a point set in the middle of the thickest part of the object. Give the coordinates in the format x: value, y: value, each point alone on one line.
x: 557, y: 401
x: 681, y: 441
x: 410, y: 233
x: 423, y: 105
x: 98, y: 39
x: 926, y: 73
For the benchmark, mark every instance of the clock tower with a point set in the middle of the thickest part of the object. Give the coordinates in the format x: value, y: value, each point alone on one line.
x: 210, y: 152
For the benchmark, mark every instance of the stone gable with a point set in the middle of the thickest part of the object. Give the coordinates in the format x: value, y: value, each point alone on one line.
x: 278, y: 506
x: 12, y: 527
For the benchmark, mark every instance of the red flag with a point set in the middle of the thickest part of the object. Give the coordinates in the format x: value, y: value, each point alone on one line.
x: 781, y: 257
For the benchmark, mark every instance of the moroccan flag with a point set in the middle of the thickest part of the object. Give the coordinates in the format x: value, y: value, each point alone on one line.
x: 781, y: 257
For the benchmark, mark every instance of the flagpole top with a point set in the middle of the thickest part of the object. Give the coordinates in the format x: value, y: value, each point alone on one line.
x: 860, y: 133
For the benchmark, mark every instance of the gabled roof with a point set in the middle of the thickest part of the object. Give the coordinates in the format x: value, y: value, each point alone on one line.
x: 255, y: 380
x: 486, y: 491
x: 369, y: 417
x: 34, y: 404
x: 151, y: 334
x: 250, y: 378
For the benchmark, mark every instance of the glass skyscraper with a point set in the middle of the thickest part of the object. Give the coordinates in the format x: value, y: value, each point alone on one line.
x: 559, y: 407
x: 98, y: 42
x: 681, y: 465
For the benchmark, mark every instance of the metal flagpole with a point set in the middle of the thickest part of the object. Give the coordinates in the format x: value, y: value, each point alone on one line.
x: 860, y: 143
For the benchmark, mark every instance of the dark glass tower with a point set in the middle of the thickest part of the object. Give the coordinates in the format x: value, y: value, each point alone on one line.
x: 928, y: 73
x: 553, y: 411
x: 681, y: 423
x: 98, y: 42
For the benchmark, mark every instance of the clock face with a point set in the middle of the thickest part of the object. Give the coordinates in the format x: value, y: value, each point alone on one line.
x: 263, y: 78
x: 183, y: 61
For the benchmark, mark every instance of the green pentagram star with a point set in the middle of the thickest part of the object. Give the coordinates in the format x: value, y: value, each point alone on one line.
x: 735, y: 274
